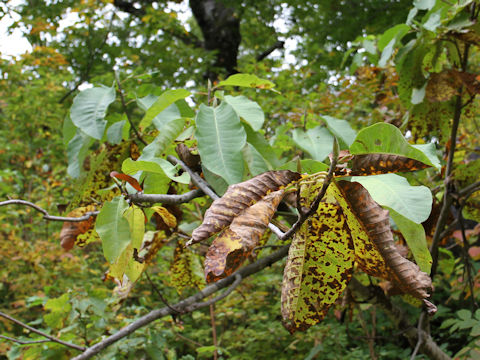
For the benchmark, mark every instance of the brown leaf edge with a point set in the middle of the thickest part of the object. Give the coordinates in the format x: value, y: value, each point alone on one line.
x: 132, y: 181
x: 71, y: 230
x: 377, y: 225
x: 233, y: 246
x: 237, y: 198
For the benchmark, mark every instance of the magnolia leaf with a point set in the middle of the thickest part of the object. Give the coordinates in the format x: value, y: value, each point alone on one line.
x: 89, y: 109
x: 160, y: 104
x: 255, y: 162
x: 166, y: 136
x: 71, y: 230
x: 375, y: 221
x: 414, y: 235
x: 247, y: 109
x: 186, y: 269
x: 341, y: 129
x: 221, y: 138
x: 230, y: 249
x: 317, y: 142
x: 113, y: 228
x: 319, y: 264
x: 258, y: 141
x: 77, y: 150
x: 115, y: 132
x: 247, y: 80
x: 385, y: 138
x: 237, y: 198
x: 394, y: 191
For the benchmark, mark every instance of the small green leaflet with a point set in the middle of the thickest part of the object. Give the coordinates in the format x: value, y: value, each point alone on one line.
x: 113, y: 228
x: 247, y: 80
x: 157, y: 166
x: 77, y: 150
x: 89, y: 109
x: 162, y: 102
x: 221, y: 138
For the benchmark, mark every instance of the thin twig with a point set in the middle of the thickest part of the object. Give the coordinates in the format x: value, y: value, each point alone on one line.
x: 165, y: 198
x: 420, y: 333
x: 313, y: 208
x: 45, y: 213
x: 24, y: 342
x: 125, y: 110
x: 188, y: 303
x: 469, y: 189
x: 214, y: 331
x: 52, y: 338
x: 160, y: 296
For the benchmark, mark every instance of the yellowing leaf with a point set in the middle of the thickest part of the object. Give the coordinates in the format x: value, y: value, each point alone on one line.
x: 186, y: 269
x: 168, y: 218
x: 230, y: 249
x: 319, y: 265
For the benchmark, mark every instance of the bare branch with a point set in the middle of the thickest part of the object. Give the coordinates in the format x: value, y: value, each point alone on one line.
x: 45, y: 213
x: 196, y: 179
x: 51, y: 338
x: 24, y: 342
x: 165, y: 198
x: 188, y: 303
x: 278, y: 45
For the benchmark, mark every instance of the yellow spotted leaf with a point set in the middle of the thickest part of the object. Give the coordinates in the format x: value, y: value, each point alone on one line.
x: 319, y: 264
x: 186, y: 269
x: 230, y: 249
x: 443, y: 86
x: 237, y: 198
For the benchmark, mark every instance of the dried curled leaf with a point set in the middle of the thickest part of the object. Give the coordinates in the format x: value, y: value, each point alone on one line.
x: 168, y: 218
x: 230, y: 249
x: 239, y: 197
x: 376, y: 222
x: 375, y: 164
x: 367, y: 255
x: 71, y: 230
x: 319, y: 265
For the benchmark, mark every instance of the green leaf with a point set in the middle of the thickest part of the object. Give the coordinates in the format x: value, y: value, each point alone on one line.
x: 166, y: 136
x: 77, y: 150
x: 247, y: 80
x: 136, y: 222
x: 157, y: 166
x: 178, y: 110
x: 215, y: 181
x: 89, y: 109
x: 387, y: 53
x: 113, y: 228
x: 59, y: 307
x: 221, y: 138
x: 414, y: 235
x: 418, y: 94
x: 395, y: 33
x: 247, y: 109
x: 341, y: 129
x: 394, y: 192
x: 464, y: 314
x: 385, y: 138
x: 430, y: 150
x: 433, y: 21
x: 308, y: 166
x: 258, y: 141
x: 115, y: 132
x: 69, y: 130
x: 156, y: 183
x: 162, y: 102
x: 424, y: 4
x: 317, y: 142
x: 255, y: 162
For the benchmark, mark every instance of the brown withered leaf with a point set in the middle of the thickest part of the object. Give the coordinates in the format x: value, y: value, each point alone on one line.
x: 376, y: 223
x: 230, y: 249
x: 166, y: 216
x: 71, y: 230
x: 375, y: 164
x: 237, y: 198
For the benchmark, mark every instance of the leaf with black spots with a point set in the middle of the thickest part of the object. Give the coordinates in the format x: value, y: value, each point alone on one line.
x: 186, y: 269
x: 71, y: 230
x: 237, y: 198
x: 376, y: 223
x: 230, y: 249
x: 319, y: 264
